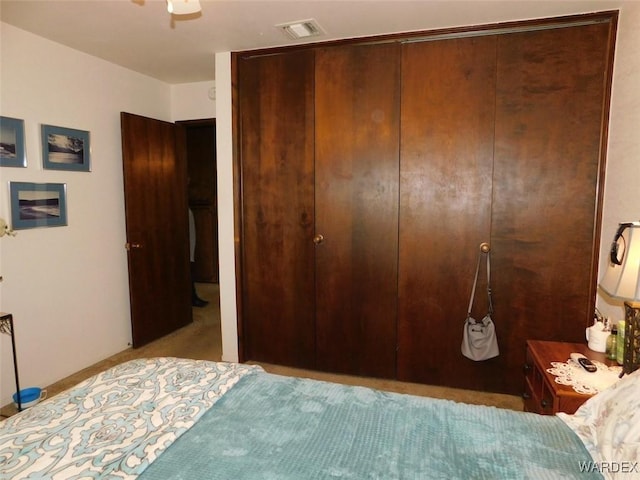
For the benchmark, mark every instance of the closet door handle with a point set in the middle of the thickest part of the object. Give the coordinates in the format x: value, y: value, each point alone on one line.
x: 318, y: 239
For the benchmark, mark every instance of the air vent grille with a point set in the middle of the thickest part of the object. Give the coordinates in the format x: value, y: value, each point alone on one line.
x: 301, y: 28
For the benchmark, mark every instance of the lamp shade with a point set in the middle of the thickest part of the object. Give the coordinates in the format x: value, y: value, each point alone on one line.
x: 183, y: 7
x: 622, y: 277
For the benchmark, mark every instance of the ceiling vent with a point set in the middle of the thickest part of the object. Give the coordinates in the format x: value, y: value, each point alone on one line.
x: 301, y: 28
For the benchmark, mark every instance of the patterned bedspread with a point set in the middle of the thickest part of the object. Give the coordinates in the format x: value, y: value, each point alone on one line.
x: 115, y: 424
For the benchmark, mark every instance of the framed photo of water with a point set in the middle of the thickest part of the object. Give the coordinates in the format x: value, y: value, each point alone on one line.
x: 38, y: 204
x: 65, y: 149
x: 12, y: 152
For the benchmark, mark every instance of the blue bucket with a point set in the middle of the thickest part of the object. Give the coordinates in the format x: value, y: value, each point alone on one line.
x: 28, y: 397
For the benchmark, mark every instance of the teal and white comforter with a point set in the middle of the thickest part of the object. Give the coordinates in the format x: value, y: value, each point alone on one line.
x: 269, y: 427
x: 246, y: 424
x: 112, y: 426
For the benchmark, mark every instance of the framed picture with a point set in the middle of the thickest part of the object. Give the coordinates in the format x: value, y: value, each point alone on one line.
x: 38, y: 204
x: 65, y: 149
x: 12, y: 143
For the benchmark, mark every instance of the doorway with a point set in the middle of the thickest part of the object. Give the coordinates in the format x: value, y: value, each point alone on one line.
x: 160, y: 291
x: 202, y: 196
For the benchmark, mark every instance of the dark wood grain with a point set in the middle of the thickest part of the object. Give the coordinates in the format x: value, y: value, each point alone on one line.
x: 357, y: 158
x: 277, y: 138
x: 201, y: 166
x: 155, y: 192
x: 549, y: 128
x: 206, y: 265
x: 499, y: 139
x: 445, y: 203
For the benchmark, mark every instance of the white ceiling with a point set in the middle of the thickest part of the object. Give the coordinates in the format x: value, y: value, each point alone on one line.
x: 142, y: 36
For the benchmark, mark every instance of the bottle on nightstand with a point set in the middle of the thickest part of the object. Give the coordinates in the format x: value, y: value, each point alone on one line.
x: 620, y: 343
x: 612, y: 340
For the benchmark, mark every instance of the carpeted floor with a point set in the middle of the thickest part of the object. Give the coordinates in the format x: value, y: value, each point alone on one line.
x: 202, y: 340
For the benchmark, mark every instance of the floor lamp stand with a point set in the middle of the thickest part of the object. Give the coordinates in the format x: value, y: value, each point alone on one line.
x: 6, y: 327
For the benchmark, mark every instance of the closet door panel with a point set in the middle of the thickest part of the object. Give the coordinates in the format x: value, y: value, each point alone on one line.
x: 551, y: 105
x: 357, y: 115
x: 448, y: 96
x: 277, y: 132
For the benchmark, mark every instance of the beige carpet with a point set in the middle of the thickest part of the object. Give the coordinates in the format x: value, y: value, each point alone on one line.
x: 202, y: 340
x: 466, y: 396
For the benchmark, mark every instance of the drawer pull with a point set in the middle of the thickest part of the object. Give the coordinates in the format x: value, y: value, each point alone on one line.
x: 526, y: 395
x: 544, y: 403
x: 527, y: 368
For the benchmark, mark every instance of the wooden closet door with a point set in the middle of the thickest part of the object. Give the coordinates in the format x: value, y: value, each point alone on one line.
x: 277, y: 137
x: 551, y: 116
x: 357, y: 118
x: 448, y: 96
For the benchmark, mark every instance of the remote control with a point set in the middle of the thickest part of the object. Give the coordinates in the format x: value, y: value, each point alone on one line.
x: 584, y: 362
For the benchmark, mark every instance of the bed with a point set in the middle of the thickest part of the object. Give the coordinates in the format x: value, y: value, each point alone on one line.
x: 170, y: 418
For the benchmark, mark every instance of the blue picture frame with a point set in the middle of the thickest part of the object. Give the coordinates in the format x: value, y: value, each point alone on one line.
x: 36, y: 205
x: 12, y: 151
x: 65, y: 149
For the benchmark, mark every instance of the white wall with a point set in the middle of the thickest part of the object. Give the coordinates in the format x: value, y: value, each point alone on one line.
x: 193, y: 101
x: 67, y: 287
x: 226, y: 234
x: 622, y: 195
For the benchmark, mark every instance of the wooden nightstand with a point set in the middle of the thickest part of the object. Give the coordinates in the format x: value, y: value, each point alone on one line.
x: 541, y: 393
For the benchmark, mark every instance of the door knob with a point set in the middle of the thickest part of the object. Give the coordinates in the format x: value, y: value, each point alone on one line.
x: 318, y: 239
x: 130, y: 246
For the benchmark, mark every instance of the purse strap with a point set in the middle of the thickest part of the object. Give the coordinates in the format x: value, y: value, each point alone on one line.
x: 475, y: 281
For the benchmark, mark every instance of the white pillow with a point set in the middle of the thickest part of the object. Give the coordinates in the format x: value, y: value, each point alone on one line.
x: 609, y: 426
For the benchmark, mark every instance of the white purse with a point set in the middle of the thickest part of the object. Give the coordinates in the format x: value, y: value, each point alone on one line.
x: 479, y: 340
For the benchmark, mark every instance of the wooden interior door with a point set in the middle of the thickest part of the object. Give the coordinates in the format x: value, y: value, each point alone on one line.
x: 277, y: 136
x: 551, y: 117
x: 356, y: 201
x: 155, y: 193
x: 445, y: 203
